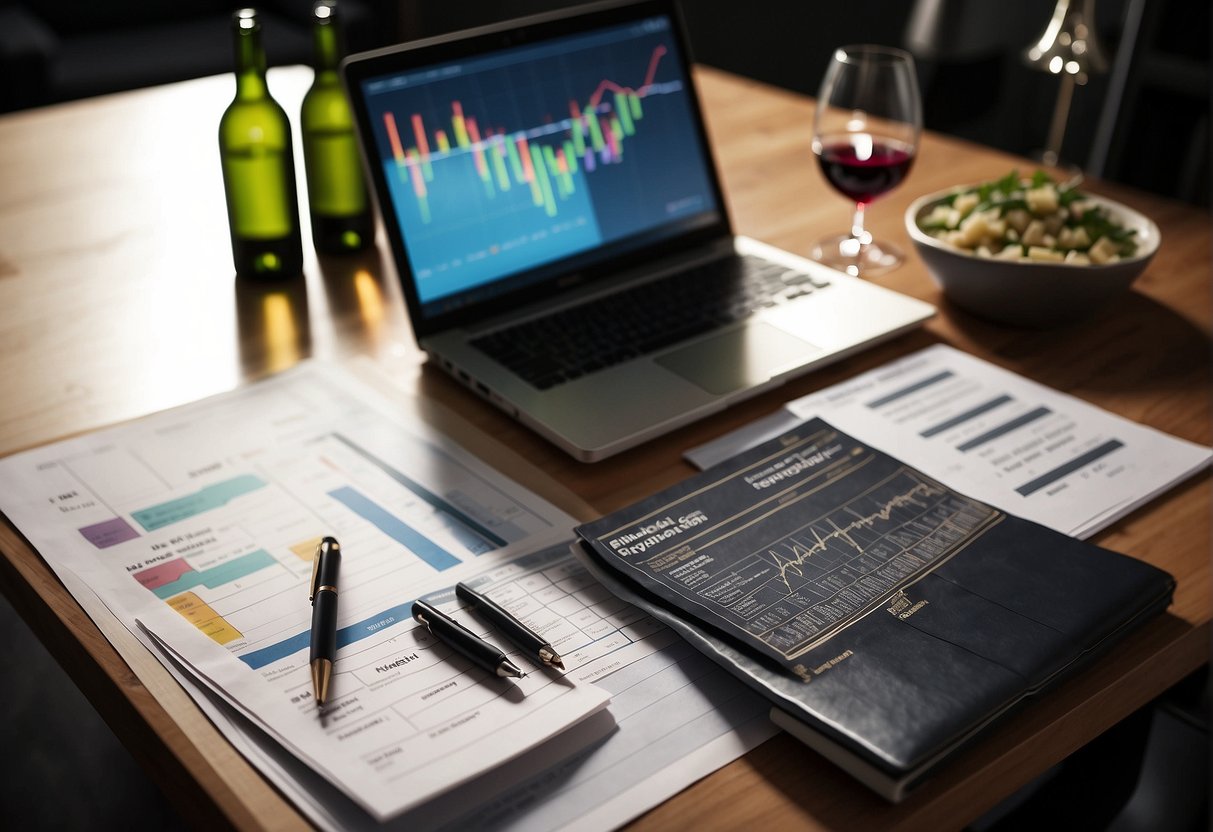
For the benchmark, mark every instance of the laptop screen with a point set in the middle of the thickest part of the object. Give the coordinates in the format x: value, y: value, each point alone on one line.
x: 513, y: 165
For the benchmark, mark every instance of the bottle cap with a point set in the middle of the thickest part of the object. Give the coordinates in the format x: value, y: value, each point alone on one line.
x: 245, y: 19
x: 324, y: 11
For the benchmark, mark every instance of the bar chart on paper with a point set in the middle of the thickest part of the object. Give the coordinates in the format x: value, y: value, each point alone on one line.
x: 227, y: 541
x: 197, y: 527
x: 1003, y: 439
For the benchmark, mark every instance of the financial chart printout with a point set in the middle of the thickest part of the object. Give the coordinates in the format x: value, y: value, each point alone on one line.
x: 198, y: 525
x: 678, y: 715
x: 1032, y: 451
x: 784, y: 548
x: 499, y: 163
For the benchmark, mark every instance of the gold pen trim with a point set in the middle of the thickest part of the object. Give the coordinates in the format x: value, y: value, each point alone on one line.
x: 550, y: 657
x: 311, y: 586
x: 334, y: 546
x: 322, y: 673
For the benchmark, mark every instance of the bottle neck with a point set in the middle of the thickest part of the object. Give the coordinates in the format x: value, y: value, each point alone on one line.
x: 327, y: 43
x: 250, y: 65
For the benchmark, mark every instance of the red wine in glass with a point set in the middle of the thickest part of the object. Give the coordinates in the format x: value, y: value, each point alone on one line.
x: 866, y: 126
x: 863, y: 167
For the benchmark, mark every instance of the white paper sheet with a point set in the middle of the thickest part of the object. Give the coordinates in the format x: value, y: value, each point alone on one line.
x: 86, y: 503
x: 200, y: 524
x: 678, y: 717
x: 995, y: 436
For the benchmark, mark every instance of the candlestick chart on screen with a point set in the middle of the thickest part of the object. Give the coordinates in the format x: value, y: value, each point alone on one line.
x: 495, y: 165
x: 543, y: 168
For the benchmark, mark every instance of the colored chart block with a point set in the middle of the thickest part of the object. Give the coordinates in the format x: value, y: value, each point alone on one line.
x: 183, y: 508
x: 395, y: 528
x: 461, y: 522
x: 109, y: 533
x: 199, y: 613
x: 346, y: 636
x: 232, y: 570
x: 307, y: 549
x: 163, y: 574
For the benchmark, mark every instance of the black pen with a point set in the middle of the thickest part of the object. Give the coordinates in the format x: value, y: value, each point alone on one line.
x: 517, y: 632
x: 325, y: 565
x: 464, y: 641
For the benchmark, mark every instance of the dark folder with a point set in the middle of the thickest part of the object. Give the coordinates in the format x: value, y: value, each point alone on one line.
x: 887, y: 618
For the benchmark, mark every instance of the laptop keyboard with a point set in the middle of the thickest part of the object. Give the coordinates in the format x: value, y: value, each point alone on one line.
x: 612, y: 329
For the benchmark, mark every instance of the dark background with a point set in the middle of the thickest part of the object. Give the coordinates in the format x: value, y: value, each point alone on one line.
x: 1147, y: 126
x: 63, y: 769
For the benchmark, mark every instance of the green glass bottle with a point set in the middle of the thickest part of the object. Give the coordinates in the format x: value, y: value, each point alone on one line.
x: 337, y: 198
x: 258, y: 166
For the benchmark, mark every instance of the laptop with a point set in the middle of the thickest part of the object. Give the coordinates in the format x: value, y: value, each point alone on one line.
x: 561, y: 237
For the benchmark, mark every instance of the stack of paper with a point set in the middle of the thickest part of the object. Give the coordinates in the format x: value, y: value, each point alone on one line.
x: 995, y: 436
x: 196, y: 528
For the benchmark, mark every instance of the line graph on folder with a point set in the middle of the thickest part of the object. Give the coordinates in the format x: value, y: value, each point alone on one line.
x: 838, y: 565
x: 500, y: 162
x: 833, y: 540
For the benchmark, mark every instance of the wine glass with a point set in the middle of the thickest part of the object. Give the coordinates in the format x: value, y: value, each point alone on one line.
x: 865, y: 134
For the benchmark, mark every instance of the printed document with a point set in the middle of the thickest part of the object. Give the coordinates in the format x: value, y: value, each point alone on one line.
x: 199, y: 524
x: 994, y: 436
x: 678, y: 717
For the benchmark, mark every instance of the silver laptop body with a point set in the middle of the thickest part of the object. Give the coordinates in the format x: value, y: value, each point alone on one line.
x: 528, y: 169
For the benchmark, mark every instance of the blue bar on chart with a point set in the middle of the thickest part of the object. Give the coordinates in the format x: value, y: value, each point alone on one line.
x: 913, y: 388
x: 1070, y: 467
x: 374, y: 624
x: 395, y: 528
x: 961, y: 418
x: 1003, y: 429
x: 346, y: 636
x: 461, y: 524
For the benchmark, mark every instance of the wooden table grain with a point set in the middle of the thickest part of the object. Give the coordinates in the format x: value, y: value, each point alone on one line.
x: 117, y: 299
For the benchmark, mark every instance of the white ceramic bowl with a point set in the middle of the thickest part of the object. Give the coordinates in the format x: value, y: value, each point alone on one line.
x: 1029, y: 293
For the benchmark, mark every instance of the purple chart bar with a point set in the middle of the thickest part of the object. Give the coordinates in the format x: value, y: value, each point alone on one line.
x: 109, y: 533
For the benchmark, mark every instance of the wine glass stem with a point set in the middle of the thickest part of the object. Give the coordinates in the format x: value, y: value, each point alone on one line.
x: 857, y: 230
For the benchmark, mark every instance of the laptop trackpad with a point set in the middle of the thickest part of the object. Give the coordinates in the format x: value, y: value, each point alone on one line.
x: 741, y: 357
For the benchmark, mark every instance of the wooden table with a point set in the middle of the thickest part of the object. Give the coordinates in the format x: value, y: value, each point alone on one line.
x: 118, y: 300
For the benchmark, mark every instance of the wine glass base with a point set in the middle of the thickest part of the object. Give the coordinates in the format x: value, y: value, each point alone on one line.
x: 844, y: 253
